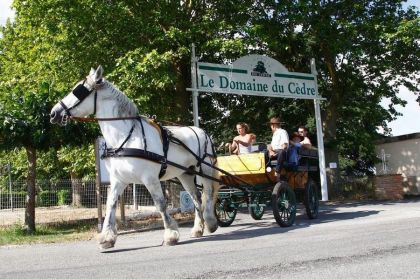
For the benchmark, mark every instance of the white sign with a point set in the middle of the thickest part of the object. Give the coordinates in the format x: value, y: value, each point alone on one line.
x: 103, y: 164
x: 333, y: 165
x: 256, y: 75
x: 186, y: 201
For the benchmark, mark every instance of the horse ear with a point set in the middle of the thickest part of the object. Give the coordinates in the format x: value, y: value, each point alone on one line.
x: 92, y: 71
x: 99, y: 73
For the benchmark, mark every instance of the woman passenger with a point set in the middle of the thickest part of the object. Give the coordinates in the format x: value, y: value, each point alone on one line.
x: 242, y: 143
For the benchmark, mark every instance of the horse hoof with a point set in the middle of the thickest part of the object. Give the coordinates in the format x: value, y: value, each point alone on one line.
x: 212, y: 226
x: 196, y: 233
x: 171, y: 242
x: 171, y: 237
x: 106, y: 245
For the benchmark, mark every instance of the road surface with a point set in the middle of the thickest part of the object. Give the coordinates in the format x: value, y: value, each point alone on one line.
x: 349, y: 240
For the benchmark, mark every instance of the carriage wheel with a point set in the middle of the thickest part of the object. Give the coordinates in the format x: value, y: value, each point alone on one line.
x: 283, y: 201
x: 256, y: 210
x: 225, y: 212
x: 311, y: 200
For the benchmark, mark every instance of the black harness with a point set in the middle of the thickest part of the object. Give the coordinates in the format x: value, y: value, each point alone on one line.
x: 142, y: 153
x: 167, y: 137
x: 81, y: 93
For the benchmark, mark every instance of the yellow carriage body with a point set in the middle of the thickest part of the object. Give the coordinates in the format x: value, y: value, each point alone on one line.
x: 251, y: 168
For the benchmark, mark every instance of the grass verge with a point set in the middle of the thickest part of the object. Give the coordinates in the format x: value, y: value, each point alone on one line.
x: 17, y: 235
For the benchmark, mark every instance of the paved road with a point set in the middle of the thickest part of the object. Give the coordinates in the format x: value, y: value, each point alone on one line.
x: 349, y: 240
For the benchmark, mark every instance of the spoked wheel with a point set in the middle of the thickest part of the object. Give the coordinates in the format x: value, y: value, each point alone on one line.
x: 311, y: 200
x: 283, y: 201
x: 256, y: 209
x: 225, y: 212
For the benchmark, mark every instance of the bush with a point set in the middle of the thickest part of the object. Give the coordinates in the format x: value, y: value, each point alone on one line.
x: 64, y: 197
x: 47, y: 198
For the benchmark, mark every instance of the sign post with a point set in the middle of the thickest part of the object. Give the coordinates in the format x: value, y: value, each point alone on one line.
x: 320, y: 139
x: 260, y: 75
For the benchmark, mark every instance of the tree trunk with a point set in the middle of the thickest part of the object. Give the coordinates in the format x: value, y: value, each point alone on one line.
x: 76, y: 187
x: 30, y: 197
x: 331, y: 151
x: 182, y: 100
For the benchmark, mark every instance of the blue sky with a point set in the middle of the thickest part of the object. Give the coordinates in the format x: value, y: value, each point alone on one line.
x: 406, y: 124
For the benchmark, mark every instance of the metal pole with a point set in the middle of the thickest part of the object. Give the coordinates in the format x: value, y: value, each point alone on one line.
x: 320, y: 138
x: 194, y: 85
x: 9, y: 168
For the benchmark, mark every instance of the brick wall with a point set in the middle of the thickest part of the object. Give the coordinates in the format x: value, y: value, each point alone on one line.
x: 389, y: 187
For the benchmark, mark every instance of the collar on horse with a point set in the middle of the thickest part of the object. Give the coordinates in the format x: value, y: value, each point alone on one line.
x: 142, y: 153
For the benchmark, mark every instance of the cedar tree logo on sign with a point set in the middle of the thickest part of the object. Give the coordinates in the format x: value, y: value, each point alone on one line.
x: 260, y: 70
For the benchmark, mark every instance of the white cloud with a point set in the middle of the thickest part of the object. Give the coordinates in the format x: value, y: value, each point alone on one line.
x: 5, y: 11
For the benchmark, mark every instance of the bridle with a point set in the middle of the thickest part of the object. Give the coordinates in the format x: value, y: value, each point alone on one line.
x: 81, y: 93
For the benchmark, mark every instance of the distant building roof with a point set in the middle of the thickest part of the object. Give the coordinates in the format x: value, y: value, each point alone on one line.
x: 398, y: 138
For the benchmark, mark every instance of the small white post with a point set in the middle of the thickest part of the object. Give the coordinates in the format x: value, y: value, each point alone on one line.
x: 135, y: 203
x: 9, y: 169
x: 194, y: 85
x: 320, y: 138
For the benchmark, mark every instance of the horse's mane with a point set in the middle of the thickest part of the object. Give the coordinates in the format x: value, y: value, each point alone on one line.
x: 125, y: 106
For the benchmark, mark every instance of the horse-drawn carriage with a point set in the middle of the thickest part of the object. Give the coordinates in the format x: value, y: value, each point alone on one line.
x: 250, y: 181
x: 140, y: 151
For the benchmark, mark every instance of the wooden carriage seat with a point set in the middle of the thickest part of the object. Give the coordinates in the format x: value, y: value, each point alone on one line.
x: 252, y: 167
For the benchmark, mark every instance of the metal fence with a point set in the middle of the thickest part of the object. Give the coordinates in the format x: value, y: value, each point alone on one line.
x: 73, y: 200
x: 353, y: 187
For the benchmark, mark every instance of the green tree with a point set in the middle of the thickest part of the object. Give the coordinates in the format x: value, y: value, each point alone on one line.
x: 29, y: 83
x: 78, y: 161
x: 364, y: 51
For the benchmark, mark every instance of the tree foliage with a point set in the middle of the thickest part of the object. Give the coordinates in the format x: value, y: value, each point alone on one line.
x: 363, y: 49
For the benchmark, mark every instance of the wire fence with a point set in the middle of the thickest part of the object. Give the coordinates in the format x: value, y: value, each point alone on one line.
x: 74, y: 200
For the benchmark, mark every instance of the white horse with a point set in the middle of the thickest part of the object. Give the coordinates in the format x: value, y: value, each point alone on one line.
x: 122, y: 131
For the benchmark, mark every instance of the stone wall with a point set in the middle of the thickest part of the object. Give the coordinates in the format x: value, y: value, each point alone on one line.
x: 389, y: 187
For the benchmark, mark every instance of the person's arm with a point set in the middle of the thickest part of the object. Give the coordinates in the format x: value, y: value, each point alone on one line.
x: 234, y: 148
x: 247, y: 142
x: 306, y: 143
x: 284, y: 139
x: 270, y: 150
x: 253, y: 138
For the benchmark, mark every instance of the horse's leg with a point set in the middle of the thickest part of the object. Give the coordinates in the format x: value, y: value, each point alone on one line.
x: 171, y: 235
x: 108, y: 236
x: 187, y: 181
x: 208, y: 199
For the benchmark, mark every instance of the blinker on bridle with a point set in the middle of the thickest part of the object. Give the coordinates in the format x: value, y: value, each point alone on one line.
x: 81, y: 93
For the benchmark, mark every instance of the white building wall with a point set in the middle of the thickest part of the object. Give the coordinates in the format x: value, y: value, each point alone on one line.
x: 402, y: 156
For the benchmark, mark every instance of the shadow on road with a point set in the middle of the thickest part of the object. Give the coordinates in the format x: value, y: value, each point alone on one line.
x: 268, y: 226
x: 129, y: 249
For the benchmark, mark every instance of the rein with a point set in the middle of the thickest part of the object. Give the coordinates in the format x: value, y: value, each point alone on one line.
x: 94, y: 119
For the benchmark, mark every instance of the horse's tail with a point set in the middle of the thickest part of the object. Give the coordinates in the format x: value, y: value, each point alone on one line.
x: 212, y: 159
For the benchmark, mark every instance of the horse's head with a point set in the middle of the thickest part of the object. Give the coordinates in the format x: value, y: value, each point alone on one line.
x: 81, y: 101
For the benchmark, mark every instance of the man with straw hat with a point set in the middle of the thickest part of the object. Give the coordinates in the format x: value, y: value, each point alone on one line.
x: 279, y: 143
